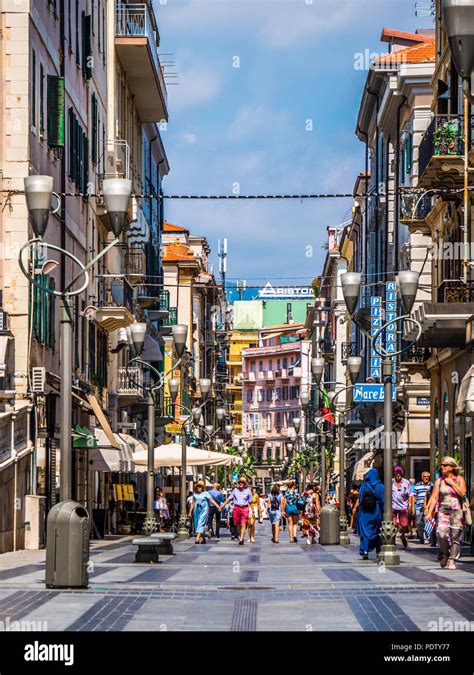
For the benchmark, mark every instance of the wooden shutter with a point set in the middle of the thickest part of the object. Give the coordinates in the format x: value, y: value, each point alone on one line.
x: 55, y: 96
x: 33, y: 88
x: 94, y: 128
x: 86, y: 45
x: 41, y: 97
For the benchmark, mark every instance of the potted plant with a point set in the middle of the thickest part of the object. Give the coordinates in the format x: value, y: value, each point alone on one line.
x: 124, y: 526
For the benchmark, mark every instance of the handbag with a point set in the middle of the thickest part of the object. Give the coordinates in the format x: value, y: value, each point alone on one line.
x: 466, y: 509
x: 301, y: 503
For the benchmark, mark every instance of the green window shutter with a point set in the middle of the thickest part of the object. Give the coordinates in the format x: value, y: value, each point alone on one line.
x: 85, y: 169
x: 71, y: 143
x: 69, y: 24
x: 33, y: 88
x: 41, y: 111
x: 86, y: 46
x: 94, y: 129
x: 55, y: 95
x: 51, y: 337
x: 78, y: 51
x: 409, y: 153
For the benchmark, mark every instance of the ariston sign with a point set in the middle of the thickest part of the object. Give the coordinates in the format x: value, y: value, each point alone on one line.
x: 285, y: 292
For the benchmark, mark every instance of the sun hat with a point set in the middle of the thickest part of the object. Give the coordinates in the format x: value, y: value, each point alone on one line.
x: 398, y: 469
x: 242, y: 480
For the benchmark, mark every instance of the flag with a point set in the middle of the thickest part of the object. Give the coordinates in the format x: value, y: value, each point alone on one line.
x: 327, y: 414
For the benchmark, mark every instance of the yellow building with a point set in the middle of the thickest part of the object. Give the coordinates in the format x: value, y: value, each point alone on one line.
x: 239, y: 340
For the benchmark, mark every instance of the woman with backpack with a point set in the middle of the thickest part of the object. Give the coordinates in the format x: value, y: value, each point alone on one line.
x: 274, y: 511
x: 370, y: 513
x: 291, y: 511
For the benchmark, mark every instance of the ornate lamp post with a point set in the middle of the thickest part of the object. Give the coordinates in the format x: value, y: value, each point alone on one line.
x: 39, y: 194
x: 408, y: 285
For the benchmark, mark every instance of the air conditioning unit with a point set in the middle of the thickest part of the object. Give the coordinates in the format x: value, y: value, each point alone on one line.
x: 38, y: 380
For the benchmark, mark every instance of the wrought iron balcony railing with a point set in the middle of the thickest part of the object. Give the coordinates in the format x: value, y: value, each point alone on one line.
x: 444, y: 136
x: 415, y: 354
x: 414, y: 205
x: 133, y: 20
x: 164, y: 300
x: 455, y: 290
x: 114, y: 291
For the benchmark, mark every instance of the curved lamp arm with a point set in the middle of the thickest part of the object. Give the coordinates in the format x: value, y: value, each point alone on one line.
x: 338, y: 393
x: 160, y: 377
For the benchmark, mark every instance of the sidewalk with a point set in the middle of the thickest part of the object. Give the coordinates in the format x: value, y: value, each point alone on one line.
x: 223, y: 586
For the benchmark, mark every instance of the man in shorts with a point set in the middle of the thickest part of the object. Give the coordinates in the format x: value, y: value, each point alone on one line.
x: 241, y: 496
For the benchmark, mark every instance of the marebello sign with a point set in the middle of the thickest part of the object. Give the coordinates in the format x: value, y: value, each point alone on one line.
x: 368, y: 393
x: 285, y: 292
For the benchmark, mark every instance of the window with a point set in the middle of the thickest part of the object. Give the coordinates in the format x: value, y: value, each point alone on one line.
x: 285, y: 363
x: 285, y: 393
x: 270, y: 365
x: 269, y: 421
x: 86, y: 45
x: 249, y: 395
x: 278, y: 421
x: 260, y: 395
x: 278, y: 393
x: 269, y: 395
x: 260, y: 366
x: 41, y: 95
x: 33, y: 88
x: 43, y: 308
x: 278, y: 364
x: 55, y: 111
x: 95, y: 129
x: 78, y: 55
x: 69, y: 25
x: 253, y: 368
x: 78, y: 153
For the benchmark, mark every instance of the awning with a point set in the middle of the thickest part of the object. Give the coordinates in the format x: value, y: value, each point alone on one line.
x: 110, y: 458
x: 363, y: 466
x: 416, y: 433
x: 82, y: 437
x: 465, y: 402
x: 151, y: 350
x: 371, y: 440
x: 103, y: 421
x: 170, y: 455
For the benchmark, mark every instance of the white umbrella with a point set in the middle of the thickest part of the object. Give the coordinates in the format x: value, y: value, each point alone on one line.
x: 170, y: 455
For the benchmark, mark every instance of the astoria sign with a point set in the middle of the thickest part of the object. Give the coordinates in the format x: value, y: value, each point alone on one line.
x: 284, y: 292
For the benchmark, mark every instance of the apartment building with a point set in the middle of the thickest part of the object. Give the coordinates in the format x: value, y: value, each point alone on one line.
x: 273, y: 376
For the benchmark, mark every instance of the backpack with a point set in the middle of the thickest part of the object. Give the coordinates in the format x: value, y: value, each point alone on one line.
x: 292, y: 497
x: 275, y: 503
x: 369, y: 501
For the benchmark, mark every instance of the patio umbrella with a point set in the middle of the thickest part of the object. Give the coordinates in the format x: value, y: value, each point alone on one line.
x: 170, y: 455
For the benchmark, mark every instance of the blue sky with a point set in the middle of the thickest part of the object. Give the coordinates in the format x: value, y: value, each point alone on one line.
x: 247, y: 125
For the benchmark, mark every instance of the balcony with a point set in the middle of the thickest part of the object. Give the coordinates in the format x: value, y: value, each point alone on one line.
x: 129, y: 385
x: 136, y: 43
x: 270, y: 375
x: 114, y: 302
x: 348, y: 349
x: 414, y: 208
x: 149, y: 296
x: 415, y: 355
x: 441, y: 152
x: 443, y: 322
x: 132, y: 261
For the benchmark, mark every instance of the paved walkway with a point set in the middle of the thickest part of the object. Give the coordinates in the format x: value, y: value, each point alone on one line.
x: 222, y: 586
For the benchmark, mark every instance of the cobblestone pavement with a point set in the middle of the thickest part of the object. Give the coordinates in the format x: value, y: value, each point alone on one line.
x: 222, y: 586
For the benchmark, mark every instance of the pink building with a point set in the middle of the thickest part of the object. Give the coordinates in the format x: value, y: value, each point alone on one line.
x: 273, y: 375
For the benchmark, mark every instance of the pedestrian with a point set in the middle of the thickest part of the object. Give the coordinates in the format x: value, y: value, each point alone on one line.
x: 274, y: 511
x: 402, y: 503
x: 370, y: 513
x: 254, y: 513
x: 157, y: 506
x: 420, y: 490
x: 291, y: 511
x: 450, y: 491
x: 241, y: 496
x: 310, y: 528
x: 218, y: 497
x: 263, y: 507
x: 353, y: 503
x: 200, y: 508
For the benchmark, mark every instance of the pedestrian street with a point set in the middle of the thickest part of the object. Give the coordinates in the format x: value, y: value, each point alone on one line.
x: 221, y: 586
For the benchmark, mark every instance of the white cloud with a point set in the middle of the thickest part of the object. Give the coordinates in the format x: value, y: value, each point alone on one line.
x: 198, y: 84
x: 189, y: 138
x: 253, y: 120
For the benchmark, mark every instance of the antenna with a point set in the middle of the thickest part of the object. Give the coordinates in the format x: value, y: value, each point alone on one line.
x: 222, y: 253
x: 241, y: 286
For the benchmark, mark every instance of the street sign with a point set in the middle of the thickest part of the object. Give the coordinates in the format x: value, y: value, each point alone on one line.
x: 127, y: 425
x: 173, y: 428
x: 368, y: 393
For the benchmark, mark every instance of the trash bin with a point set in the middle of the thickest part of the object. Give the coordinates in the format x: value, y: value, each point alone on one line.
x: 329, y: 525
x: 67, y: 546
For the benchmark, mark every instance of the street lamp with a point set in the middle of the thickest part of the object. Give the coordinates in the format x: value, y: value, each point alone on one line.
x: 353, y: 367
x: 407, y: 285
x: 38, y: 195
x: 220, y: 414
x: 137, y: 334
x: 317, y: 368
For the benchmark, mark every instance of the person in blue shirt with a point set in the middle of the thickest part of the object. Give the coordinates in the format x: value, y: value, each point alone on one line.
x: 218, y: 497
x: 420, y: 491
